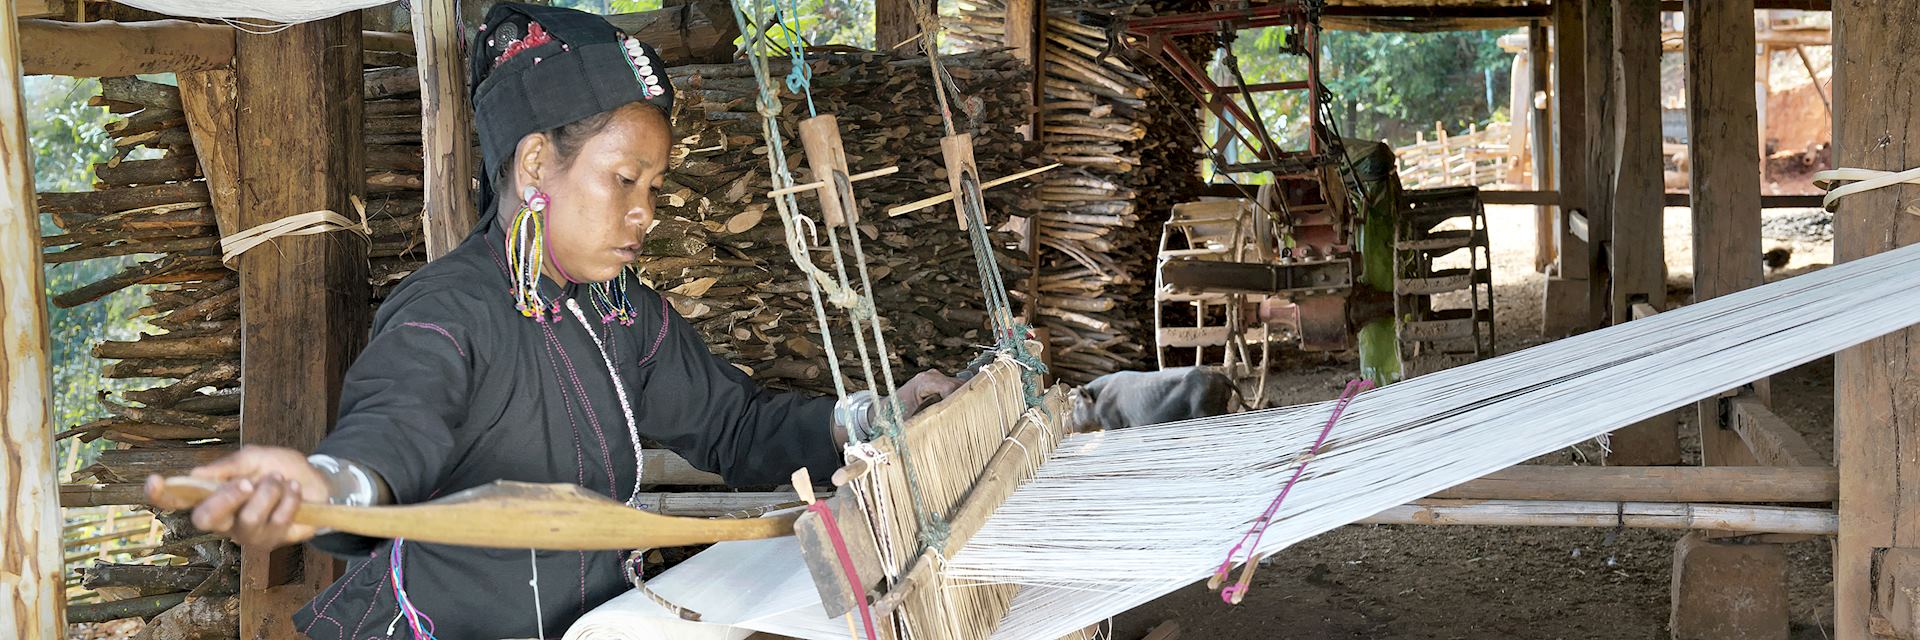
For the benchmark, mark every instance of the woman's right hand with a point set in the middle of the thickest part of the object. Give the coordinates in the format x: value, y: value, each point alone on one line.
x: 260, y: 489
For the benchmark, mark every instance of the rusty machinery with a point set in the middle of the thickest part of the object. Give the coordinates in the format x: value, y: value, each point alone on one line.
x: 1331, y: 253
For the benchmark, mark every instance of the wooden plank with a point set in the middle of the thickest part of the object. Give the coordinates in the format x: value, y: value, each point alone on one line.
x: 32, y: 595
x: 896, y: 27
x: 1896, y: 606
x: 305, y: 300
x: 207, y: 97
x: 446, y: 126
x: 1722, y: 121
x: 101, y: 49
x: 1876, y: 385
x: 1769, y: 439
x: 1811, y: 484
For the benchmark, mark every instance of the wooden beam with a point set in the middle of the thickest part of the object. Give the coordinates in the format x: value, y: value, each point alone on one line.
x: 897, y: 23
x: 1566, y: 307
x: 1639, y: 515
x: 103, y: 49
x: 446, y: 128
x: 1812, y: 484
x: 1636, y: 252
x: 23, y: 9
x: 1876, y: 386
x: 698, y: 32
x: 1770, y: 439
x: 1539, y: 59
x: 1722, y: 121
x: 1540, y: 11
x: 305, y: 298
x: 1603, y: 77
x: 32, y: 595
x: 1765, y: 5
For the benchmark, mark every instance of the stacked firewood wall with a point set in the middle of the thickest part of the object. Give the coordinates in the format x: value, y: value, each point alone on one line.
x: 719, y: 251
x: 1129, y: 148
x: 158, y: 209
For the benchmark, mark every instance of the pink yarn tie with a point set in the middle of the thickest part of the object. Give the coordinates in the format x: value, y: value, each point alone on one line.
x: 1251, y: 540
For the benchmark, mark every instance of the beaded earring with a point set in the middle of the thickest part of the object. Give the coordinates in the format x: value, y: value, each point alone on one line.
x: 526, y: 245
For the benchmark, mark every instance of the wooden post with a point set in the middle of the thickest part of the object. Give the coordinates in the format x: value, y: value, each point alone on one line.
x: 897, y: 22
x: 32, y: 594
x: 1602, y: 114
x: 1722, y: 124
x: 303, y: 299
x: 446, y: 125
x: 1540, y: 59
x: 1566, y: 303
x: 1876, y: 387
x: 1637, y: 253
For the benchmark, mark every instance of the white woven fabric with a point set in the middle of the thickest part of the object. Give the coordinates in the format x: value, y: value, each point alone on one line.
x: 1114, y: 520
x: 282, y: 11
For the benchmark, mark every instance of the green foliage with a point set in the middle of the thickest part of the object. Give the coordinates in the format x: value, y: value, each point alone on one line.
x: 1385, y: 86
x: 68, y: 137
x: 1389, y: 85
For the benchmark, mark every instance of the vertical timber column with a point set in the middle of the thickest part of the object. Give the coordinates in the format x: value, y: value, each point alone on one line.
x: 1566, y: 305
x: 896, y: 22
x: 32, y: 594
x: 1722, y: 124
x: 1876, y: 125
x: 1540, y: 63
x: 446, y: 125
x: 304, y: 298
x: 1602, y: 115
x: 1026, y: 34
x: 1637, y: 269
x: 1723, y: 589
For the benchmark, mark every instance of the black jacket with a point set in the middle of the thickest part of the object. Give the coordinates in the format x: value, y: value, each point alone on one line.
x: 456, y: 389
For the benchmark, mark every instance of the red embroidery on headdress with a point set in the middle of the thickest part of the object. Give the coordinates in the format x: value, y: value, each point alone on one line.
x: 536, y: 36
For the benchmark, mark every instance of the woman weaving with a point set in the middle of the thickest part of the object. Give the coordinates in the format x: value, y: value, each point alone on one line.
x: 528, y: 353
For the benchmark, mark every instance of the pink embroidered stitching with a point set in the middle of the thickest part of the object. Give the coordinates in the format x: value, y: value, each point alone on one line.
x: 442, y: 330
x: 593, y: 417
x: 665, y: 317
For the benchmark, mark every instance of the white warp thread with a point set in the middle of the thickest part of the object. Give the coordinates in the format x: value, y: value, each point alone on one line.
x: 282, y: 11
x: 1117, y: 519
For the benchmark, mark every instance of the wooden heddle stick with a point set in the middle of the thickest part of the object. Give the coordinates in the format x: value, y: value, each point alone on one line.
x: 958, y: 153
x: 516, y: 515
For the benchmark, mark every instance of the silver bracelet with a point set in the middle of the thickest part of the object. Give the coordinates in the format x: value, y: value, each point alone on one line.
x: 855, y: 414
x: 347, y: 484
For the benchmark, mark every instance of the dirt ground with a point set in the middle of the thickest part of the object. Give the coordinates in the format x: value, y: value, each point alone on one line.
x: 1444, y: 583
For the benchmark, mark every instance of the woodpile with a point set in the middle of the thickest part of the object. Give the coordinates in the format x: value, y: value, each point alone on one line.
x: 159, y: 208
x: 1130, y: 153
x: 718, y: 251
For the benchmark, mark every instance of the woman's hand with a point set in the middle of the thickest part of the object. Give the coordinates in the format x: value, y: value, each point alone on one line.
x: 260, y: 489
x: 926, y: 389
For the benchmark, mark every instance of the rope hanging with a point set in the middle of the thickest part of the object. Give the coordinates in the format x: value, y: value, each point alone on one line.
x: 859, y: 307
